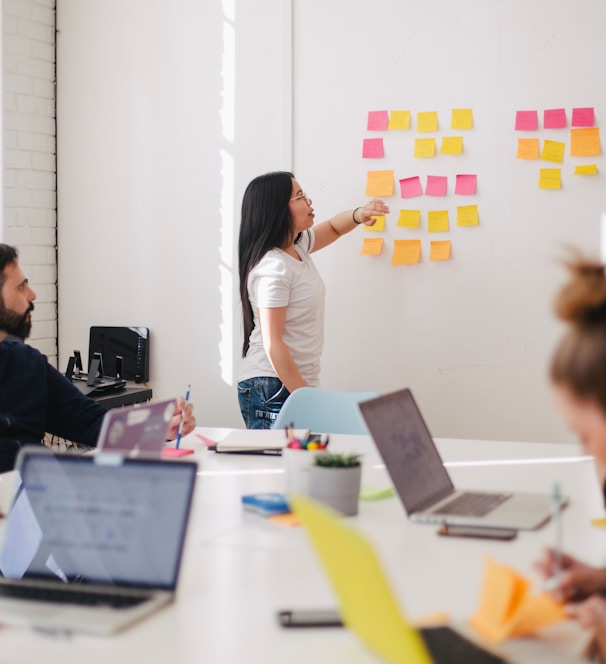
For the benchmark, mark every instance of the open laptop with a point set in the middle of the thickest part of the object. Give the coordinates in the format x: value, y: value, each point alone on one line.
x: 422, y: 482
x: 367, y: 603
x: 92, y: 544
x: 139, y: 429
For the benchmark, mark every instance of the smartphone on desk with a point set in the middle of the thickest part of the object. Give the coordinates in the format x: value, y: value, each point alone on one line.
x: 310, y: 618
x: 481, y: 532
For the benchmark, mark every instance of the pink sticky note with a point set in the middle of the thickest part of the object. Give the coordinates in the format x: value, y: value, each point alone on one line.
x: 466, y: 184
x: 172, y: 452
x: 527, y: 120
x: 436, y: 185
x: 583, y: 117
x: 373, y: 148
x: 378, y: 120
x: 410, y: 187
x: 554, y: 118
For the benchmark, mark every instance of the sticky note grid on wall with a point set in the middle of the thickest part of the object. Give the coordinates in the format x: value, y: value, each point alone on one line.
x: 427, y: 205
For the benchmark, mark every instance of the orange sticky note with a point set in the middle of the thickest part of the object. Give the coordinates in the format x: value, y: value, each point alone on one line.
x: 406, y: 252
x: 528, y: 148
x: 427, y: 121
x: 425, y: 147
x: 379, y: 224
x: 289, y: 519
x: 372, y: 246
x: 379, y: 183
x: 585, y: 142
x: 409, y: 218
x: 550, y: 178
x: 399, y: 120
x: 462, y: 118
x: 437, y: 221
x: 452, y: 145
x: 439, y: 250
x: 553, y: 151
x: 467, y: 215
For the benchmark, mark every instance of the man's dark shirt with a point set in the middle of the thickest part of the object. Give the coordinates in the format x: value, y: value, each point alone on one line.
x: 36, y: 399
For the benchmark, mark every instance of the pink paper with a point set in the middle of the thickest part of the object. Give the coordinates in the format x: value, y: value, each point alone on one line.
x: 583, y: 117
x: 410, y: 187
x: 466, y: 184
x: 378, y: 120
x: 436, y: 185
x: 554, y: 118
x: 373, y: 148
x: 527, y: 120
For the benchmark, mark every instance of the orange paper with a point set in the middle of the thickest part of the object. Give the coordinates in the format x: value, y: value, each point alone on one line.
x: 379, y: 183
x: 585, y: 142
x: 439, y: 250
x: 406, y: 252
x: 372, y: 246
x: 528, y: 148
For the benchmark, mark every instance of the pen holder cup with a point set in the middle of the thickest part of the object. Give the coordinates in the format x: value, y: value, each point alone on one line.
x: 297, y: 464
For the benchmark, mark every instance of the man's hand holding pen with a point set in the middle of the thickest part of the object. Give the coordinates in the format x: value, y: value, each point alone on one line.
x: 185, y: 413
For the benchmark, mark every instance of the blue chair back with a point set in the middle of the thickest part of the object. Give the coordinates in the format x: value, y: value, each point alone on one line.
x: 323, y: 411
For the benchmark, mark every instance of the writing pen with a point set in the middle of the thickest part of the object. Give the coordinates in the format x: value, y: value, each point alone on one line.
x: 180, y: 429
x: 556, y: 504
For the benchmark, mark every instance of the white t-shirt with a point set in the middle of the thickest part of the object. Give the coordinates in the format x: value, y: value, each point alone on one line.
x: 279, y: 280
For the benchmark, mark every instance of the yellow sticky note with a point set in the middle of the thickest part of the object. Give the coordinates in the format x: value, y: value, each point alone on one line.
x: 406, y: 252
x: 586, y: 169
x: 598, y: 523
x: 452, y: 145
x: 409, y: 218
x: 550, y: 178
x: 399, y: 120
x: 585, y: 142
x: 462, y: 118
x: 379, y: 224
x: 379, y: 183
x: 372, y: 246
x: 425, y: 147
x: 439, y: 250
x: 437, y: 221
x: 553, y: 151
x: 427, y: 121
x: 467, y: 215
x: 528, y: 148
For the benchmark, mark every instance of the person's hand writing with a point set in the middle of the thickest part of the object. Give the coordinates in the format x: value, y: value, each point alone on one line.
x: 576, y: 580
x: 374, y: 208
x: 189, y: 421
x: 591, y: 614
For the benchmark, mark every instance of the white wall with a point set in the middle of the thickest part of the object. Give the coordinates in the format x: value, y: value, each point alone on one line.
x: 472, y: 336
x: 165, y: 111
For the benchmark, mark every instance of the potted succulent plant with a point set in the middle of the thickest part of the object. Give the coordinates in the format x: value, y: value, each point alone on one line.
x: 335, y: 479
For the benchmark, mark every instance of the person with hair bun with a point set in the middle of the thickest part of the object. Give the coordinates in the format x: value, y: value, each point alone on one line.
x: 578, y: 377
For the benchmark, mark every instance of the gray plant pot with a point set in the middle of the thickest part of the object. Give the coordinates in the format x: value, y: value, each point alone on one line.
x: 338, y: 488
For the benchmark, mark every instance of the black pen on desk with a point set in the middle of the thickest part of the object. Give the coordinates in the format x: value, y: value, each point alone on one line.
x: 180, y: 429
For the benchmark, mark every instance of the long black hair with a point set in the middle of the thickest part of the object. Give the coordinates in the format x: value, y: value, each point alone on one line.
x: 266, y: 224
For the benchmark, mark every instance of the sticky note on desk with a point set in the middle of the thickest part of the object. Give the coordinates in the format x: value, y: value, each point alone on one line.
x: 376, y: 493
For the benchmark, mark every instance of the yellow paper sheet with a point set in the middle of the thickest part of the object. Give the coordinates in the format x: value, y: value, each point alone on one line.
x: 399, y: 120
x: 425, y: 147
x: 585, y: 142
x: 528, y: 148
x: 467, y: 215
x: 437, y: 221
x: 586, y: 169
x: 553, y: 151
x: 439, y: 250
x: 427, y: 121
x: 462, y: 118
x: 452, y: 145
x: 379, y: 183
x: 409, y: 218
x: 379, y: 224
x: 406, y: 252
x: 550, y: 178
x: 372, y: 246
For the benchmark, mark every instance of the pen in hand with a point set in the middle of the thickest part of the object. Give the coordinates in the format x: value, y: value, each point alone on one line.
x: 556, y: 503
x: 180, y: 429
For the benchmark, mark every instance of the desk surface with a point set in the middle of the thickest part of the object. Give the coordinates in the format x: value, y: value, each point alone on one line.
x: 239, y: 569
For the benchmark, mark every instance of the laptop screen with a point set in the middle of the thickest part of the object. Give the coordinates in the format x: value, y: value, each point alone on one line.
x: 403, y: 440
x: 98, y: 519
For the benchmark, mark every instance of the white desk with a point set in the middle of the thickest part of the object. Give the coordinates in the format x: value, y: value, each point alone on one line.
x: 238, y: 569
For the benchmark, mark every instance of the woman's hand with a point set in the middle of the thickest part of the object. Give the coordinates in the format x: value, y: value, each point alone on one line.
x: 575, y: 580
x: 374, y: 208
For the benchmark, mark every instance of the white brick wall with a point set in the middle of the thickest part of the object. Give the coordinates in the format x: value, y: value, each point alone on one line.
x: 29, y: 215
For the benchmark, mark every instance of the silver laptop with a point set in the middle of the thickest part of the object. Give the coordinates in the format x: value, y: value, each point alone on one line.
x: 92, y: 544
x: 423, y: 484
x: 140, y: 429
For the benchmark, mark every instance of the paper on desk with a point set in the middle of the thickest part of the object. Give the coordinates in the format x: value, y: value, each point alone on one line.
x: 508, y: 609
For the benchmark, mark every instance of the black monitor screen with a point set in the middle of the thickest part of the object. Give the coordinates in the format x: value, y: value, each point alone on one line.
x: 131, y: 343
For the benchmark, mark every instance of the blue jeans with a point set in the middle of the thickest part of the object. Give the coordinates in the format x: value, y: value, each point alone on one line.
x: 260, y: 401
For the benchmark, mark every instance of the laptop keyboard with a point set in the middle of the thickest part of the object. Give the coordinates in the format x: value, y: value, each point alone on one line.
x: 64, y: 596
x: 473, y: 504
x: 449, y: 647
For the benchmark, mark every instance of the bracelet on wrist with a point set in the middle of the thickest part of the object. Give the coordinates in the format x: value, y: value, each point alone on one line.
x: 353, y: 214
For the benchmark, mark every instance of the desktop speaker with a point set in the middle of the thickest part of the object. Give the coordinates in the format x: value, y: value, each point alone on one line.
x: 124, y: 350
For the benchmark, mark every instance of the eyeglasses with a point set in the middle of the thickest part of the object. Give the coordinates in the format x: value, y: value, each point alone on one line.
x: 302, y: 195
